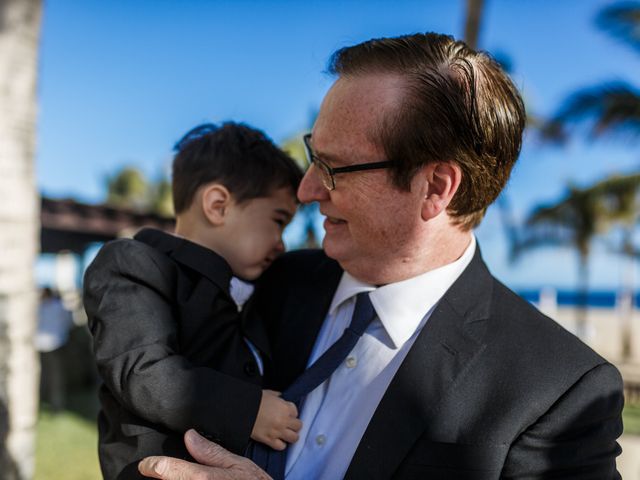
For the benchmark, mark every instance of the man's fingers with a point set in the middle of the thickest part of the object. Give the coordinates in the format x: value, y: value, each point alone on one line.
x: 219, y: 464
x: 208, y: 453
x: 167, y: 468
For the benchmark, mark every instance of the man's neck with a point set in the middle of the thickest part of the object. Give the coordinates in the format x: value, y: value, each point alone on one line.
x: 437, y: 252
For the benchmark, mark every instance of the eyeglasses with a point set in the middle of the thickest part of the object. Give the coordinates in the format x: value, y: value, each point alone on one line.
x: 328, y: 174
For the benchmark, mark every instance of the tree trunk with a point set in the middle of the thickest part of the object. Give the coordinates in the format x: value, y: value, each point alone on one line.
x: 473, y: 22
x: 626, y: 305
x: 582, y: 300
x: 19, y: 235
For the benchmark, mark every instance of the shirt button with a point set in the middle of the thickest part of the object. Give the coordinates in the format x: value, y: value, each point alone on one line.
x: 351, y: 362
x: 321, y: 440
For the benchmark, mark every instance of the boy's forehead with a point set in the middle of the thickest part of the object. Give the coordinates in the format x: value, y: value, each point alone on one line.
x: 283, y: 200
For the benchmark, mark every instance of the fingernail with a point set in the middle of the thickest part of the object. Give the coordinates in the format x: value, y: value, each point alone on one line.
x: 147, y: 465
x: 194, y: 436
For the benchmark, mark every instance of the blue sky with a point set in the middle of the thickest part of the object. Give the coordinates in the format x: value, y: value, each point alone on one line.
x: 121, y: 81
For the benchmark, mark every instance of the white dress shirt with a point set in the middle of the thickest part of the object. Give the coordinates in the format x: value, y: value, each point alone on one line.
x: 336, y: 414
x: 240, y: 292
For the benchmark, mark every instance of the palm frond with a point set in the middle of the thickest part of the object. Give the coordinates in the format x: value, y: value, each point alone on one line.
x: 572, y: 221
x: 622, y: 21
x: 611, y: 108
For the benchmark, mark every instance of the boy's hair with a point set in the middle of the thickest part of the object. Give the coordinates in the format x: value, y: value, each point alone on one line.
x: 235, y: 155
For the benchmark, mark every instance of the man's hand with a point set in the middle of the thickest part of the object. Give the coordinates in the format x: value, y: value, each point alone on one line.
x: 217, y: 463
x: 277, y: 421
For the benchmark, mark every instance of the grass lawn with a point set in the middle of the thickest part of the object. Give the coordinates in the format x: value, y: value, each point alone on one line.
x: 66, y: 447
x: 67, y: 442
x: 631, y: 419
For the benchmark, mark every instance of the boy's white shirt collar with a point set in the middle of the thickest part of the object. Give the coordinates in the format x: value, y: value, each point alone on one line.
x: 401, y: 306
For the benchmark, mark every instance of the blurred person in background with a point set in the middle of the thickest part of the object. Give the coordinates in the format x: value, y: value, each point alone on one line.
x: 54, y: 325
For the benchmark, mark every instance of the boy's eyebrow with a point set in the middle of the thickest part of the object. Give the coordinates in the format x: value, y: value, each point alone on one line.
x: 284, y: 212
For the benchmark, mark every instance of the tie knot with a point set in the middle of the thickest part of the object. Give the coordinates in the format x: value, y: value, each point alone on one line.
x: 363, y: 313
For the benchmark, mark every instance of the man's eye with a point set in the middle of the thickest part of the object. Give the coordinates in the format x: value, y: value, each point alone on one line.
x: 281, y: 223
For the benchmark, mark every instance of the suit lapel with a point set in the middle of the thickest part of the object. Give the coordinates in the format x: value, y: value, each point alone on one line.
x: 305, y: 311
x: 445, y: 348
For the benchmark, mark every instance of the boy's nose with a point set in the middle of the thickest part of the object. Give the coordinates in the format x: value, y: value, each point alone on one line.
x: 279, y: 248
x: 311, y: 188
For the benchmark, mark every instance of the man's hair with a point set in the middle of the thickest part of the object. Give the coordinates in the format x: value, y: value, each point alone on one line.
x: 459, y: 106
x: 237, y: 156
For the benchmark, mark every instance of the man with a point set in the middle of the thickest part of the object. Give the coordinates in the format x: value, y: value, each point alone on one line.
x: 456, y: 377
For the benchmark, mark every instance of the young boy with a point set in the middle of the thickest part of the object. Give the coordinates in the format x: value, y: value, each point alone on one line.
x: 169, y: 343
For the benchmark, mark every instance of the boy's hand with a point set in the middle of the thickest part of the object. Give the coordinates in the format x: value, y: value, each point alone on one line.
x: 277, y: 421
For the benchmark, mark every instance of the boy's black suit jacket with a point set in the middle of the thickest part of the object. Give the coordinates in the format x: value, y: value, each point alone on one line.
x: 490, y: 389
x: 169, y: 349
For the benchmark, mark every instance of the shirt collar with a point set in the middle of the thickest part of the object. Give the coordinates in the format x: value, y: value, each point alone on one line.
x: 401, y: 306
x: 201, y: 259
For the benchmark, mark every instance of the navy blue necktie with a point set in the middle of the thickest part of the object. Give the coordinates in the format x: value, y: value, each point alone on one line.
x: 274, y: 461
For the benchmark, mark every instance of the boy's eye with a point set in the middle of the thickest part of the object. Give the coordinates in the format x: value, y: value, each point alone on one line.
x: 280, y: 222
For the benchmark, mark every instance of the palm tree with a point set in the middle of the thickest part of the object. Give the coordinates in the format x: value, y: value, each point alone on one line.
x: 619, y: 194
x: 573, y: 221
x: 473, y: 22
x: 609, y: 109
x: 19, y: 233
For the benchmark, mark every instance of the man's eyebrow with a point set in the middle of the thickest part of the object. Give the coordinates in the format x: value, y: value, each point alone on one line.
x: 327, y: 157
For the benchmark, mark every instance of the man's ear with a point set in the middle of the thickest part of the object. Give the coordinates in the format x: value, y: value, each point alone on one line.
x: 442, y: 182
x: 215, y: 203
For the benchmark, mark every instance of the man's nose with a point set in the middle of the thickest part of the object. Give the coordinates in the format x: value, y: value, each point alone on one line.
x: 311, y: 188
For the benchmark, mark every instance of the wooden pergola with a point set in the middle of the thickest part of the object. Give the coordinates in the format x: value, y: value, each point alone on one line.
x: 68, y: 225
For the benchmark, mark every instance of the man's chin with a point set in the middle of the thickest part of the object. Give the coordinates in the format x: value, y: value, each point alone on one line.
x: 336, y: 250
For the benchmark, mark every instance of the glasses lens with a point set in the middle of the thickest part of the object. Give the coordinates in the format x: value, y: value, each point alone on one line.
x: 327, y: 178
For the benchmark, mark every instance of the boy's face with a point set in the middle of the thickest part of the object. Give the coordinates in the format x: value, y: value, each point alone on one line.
x: 254, y: 232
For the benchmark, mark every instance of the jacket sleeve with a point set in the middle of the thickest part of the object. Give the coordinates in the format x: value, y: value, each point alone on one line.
x: 128, y: 294
x: 576, y: 437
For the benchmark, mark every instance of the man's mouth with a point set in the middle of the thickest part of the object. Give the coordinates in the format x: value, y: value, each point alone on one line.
x: 335, y: 221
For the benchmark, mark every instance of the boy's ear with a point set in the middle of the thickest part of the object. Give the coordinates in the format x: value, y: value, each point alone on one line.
x: 442, y: 182
x: 215, y: 203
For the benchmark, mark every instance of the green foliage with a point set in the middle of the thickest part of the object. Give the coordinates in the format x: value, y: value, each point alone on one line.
x: 162, y: 198
x: 129, y: 188
x: 294, y: 147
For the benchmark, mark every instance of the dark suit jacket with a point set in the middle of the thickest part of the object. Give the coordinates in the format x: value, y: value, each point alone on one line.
x: 490, y: 389
x: 169, y: 347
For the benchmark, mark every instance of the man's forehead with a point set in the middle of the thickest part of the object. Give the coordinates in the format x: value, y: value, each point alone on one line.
x: 365, y: 93
x: 353, y: 109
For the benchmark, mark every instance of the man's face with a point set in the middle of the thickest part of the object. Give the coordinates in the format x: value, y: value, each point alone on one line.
x: 371, y: 225
x: 254, y: 232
